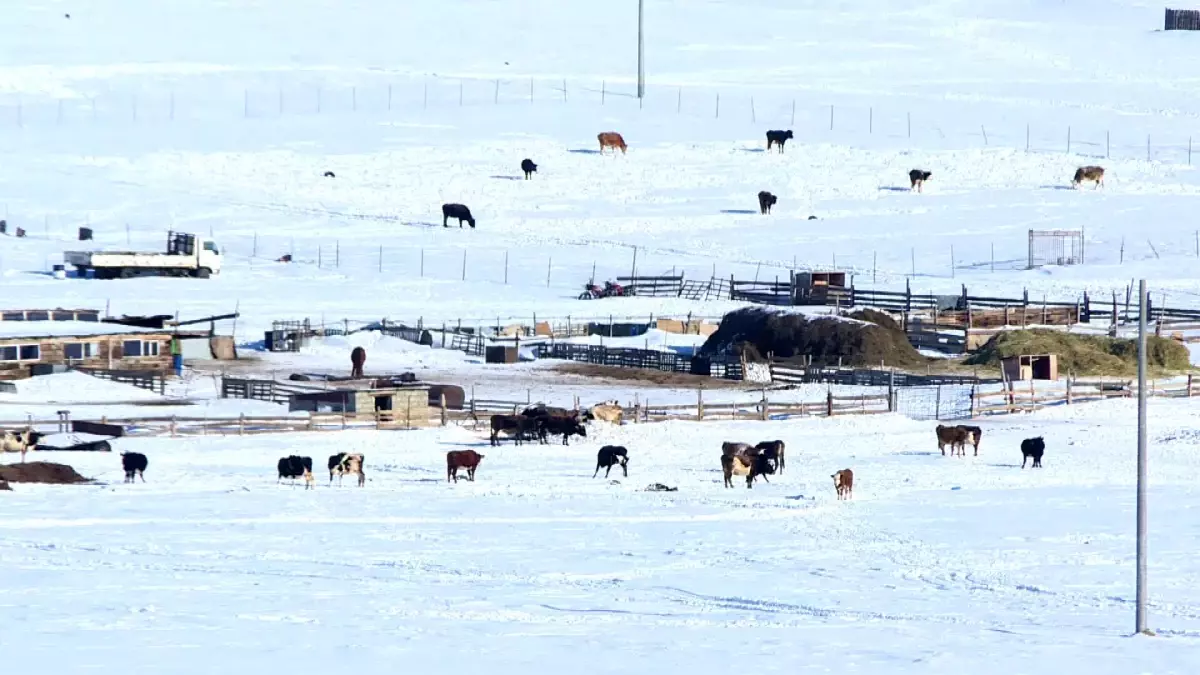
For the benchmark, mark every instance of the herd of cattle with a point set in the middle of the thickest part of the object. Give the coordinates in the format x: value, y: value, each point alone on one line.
x: 539, y: 422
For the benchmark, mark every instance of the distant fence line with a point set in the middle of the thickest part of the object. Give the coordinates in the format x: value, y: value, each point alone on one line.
x: 936, y: 402
x: 391, y: 98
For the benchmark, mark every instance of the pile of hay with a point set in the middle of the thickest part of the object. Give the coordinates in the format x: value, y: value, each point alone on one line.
x: 1084, y: 354
x: 865, y: 338
x: 40, y: 472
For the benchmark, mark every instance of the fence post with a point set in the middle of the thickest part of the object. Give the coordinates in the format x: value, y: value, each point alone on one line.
x: 1189, y: 386
x: 241, y: 424
x: 937, y: 402
x: 829, y: 403
x: 765, y: 413
x: 443, y: 396
x: 891, y: 391
x: 173, y: 427
x: 1068, y: 390
x: 699, y: 404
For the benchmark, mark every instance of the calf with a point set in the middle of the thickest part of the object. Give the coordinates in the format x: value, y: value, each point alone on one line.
x: 294, y: 467
x: 773, y: 451
x: 1033, y: 448
x: 917, y: 178
x: 513, y: 425
x: 1092, y: 173
x: 777, y: 137
x: 457, y: 211
x: 765, y: 201
x: 976, y: 435
x: 956, y: 437
x: 611, y: 139
x: 462, y: 459
x: 843, y: 482
x: 610, y: 456
x: 21, y: 442
x: 134, y: 463
x: 528, y: 167
x: 344, y: 463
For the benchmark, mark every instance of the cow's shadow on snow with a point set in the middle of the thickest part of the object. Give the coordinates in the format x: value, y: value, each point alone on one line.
x: 895, y: 188
x: 1004, y: 466
x: 917, y: 453
x: 584, y: 151
x: 759, y: 150
x: 419, y: 223
x: 740, y: 211
x: 1055, y: 187
x: 506, y: 177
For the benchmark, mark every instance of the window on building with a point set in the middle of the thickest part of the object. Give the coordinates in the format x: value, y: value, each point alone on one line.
x: 38, y: 315
x: 137, y: 348
x: 62, y: 315
x: 21, y: 353
x: 77, y: 351
x: 12, y: 316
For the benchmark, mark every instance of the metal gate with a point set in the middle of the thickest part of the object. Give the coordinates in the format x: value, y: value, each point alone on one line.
x: 937, y: 402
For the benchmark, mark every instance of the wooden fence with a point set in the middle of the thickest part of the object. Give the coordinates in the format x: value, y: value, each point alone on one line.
x: 1029, y: 398
x: 1181, y: 19
x: 793, y: 373
x: 145, y: 379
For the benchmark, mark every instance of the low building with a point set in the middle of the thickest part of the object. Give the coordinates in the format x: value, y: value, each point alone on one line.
x: 402, y: 406
x: 25, y: 344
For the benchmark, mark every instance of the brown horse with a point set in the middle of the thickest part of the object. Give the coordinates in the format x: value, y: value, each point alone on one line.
x: 357, y: 358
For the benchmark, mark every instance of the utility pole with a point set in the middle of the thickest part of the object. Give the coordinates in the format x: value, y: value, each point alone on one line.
x: 1140, y: 612
x: 641, y: 52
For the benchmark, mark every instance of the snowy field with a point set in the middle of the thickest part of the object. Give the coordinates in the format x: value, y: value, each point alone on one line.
x: 133, y: 136
x: 937, y: 565
x: 133, y: 118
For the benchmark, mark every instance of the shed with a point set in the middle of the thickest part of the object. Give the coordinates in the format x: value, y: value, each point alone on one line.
x: 500, y: 354
x: 820, y: 288
x: 403, y: 406
x: 1030, y: 367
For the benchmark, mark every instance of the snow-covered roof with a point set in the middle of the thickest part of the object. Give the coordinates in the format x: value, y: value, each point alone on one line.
x: 37, y: 329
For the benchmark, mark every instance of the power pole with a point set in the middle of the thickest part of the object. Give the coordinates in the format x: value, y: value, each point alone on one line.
x: 1140, y: 613
x: 641, y: 52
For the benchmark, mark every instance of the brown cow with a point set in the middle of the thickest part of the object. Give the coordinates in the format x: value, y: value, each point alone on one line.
x: 956, y: 437
x: 462, y: 459
x: 843, y: 482
x: 1092, y: 173
x: 357, y: 358
x: 611, y: 139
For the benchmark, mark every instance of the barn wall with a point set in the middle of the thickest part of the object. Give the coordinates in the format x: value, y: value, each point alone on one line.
x: 109, y: 357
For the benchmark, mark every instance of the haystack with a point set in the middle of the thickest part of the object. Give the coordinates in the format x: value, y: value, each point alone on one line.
x: 1083, y: 354
x: 865, y: 338
x: 40, y: 472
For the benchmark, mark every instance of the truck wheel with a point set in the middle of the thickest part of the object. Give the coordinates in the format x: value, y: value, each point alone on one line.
x: 203, y: 273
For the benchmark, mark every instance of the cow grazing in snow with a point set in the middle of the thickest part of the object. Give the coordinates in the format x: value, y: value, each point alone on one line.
x: 843, y: 482
x: 528, y: 167
x: 610, y: 456
x: 347, y: 463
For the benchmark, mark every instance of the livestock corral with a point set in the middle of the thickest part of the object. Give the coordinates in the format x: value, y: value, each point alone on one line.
x: 800, y: 294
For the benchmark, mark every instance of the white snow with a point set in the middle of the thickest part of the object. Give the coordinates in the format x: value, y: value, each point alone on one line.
x: 966, y: 564
x: 81, y: 329
x: 133, y: 117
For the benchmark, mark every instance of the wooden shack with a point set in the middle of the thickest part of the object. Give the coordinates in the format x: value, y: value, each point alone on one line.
x: 820, y: 288
x: 82, y: 344
x: 1030, y: 367
x: 402, y: 406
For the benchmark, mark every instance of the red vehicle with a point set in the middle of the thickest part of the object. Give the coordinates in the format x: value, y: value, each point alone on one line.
x: 610, y: 290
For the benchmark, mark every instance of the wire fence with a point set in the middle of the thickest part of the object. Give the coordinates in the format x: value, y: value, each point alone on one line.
x: 1096, y: 135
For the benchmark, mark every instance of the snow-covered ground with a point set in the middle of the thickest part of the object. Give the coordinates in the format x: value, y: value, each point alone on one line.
x: 952, y: 564
x: 132, y: 118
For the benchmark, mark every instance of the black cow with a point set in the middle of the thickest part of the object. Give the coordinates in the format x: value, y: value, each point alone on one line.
x: 294, y: 466
x: 918, y: 177
x: 565, y: 427
x: 1033, y: 447
x: 774, y: 452
x: 528, y: 167
x: 541, y: 415
x: 517, y: 426
x: 766, y: 200
x: 610, y: 456
x: 457, y: 211
x: 134, y: 463
x: 775, y: 136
